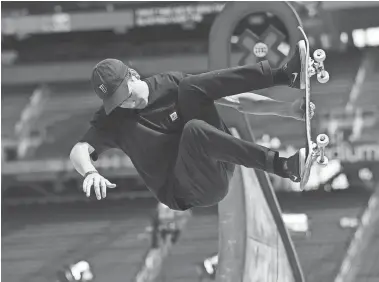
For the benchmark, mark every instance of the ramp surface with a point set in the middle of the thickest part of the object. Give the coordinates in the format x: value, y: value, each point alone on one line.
x: 251, y: 248
x: 254, y: 244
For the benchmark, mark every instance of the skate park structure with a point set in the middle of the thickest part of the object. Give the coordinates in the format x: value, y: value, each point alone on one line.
x: 254, y: 244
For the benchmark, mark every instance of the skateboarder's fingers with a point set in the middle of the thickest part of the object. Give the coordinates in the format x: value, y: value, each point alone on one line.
x: 312, y: 106
x: 88, y: 186
x: 96, y: 186
x: 85, y: 181
x: 103, y: 187
x: 109, y: 184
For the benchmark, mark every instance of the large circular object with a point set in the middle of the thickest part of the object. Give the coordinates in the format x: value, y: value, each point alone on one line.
x: 227, y: 21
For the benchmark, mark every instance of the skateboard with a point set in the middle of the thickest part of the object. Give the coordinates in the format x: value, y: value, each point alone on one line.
x: 314, y: 151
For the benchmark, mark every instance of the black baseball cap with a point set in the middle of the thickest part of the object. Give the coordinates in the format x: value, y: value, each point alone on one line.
x: 109, y: 80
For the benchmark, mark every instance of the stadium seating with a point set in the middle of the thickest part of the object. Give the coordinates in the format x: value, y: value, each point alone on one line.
x: 50, y: 237
x: 64, y: 117
x: 13, y: 101
x: 198, y: 241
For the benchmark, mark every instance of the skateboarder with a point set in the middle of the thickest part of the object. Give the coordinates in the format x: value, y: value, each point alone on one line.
x: 169, y: 127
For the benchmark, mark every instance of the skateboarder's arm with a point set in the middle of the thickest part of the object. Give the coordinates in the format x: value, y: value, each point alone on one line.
x: 252, y: 103
x: 80, y: 158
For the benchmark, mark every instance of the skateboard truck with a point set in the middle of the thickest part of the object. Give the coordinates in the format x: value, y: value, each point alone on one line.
x: 322, y: 141
x: 316, y: 153
x: 316, y: 65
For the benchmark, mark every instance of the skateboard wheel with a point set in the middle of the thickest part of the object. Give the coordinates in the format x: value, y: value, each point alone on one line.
x: 319, y: 55
x: 323, y: 77
x: 322, y: 140
x: 324, y: 162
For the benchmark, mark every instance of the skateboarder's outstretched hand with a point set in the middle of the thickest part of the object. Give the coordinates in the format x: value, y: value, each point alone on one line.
x: 298, y: 109
x: 99, y: 184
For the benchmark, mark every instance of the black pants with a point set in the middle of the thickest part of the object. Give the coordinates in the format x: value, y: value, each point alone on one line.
x: 207, y: 151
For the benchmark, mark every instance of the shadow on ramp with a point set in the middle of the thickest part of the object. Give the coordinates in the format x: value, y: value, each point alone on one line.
x: 254, y: 244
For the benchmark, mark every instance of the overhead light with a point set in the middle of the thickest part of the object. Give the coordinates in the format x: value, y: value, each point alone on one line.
x: 366, y: 37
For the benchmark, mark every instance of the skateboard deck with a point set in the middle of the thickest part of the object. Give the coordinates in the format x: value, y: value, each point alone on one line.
x: 310, y: 67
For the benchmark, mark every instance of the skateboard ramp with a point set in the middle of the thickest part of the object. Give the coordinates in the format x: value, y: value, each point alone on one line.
x: 254, y: 244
